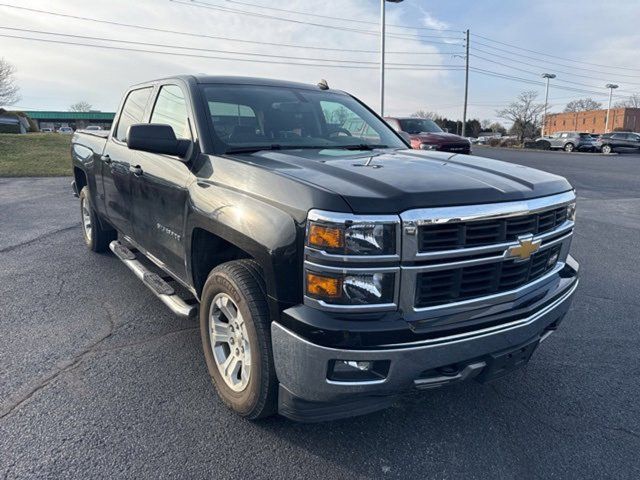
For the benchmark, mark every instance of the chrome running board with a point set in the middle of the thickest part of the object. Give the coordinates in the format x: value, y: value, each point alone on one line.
x: 154, y: 282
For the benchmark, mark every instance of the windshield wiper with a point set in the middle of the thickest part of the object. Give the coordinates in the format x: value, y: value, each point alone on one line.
x: 276, y: 146
x: 361, y: 146
x: 254, y: 148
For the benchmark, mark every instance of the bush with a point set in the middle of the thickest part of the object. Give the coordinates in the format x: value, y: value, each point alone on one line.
x: 494, y: 142
x: 510, y: 142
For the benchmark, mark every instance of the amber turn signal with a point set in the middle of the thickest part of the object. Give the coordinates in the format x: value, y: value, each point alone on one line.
x: 321, y: 286
x: 323, y: 236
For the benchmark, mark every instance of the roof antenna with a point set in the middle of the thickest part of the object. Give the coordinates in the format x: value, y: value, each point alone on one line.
x: 323, y: 85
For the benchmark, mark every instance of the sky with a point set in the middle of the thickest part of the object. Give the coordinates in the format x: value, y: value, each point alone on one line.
x: 586, y: 43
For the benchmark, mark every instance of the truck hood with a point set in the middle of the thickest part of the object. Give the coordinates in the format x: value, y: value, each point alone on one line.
x: 391, y: 181
x: 437, y: 138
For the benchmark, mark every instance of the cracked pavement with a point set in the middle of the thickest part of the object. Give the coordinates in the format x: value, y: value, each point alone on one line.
x: 99, y: 380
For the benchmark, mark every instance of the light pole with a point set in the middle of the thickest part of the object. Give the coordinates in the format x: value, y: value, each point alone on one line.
x: 610, y: 86
x: 548, y: 76
x: 382, y: 14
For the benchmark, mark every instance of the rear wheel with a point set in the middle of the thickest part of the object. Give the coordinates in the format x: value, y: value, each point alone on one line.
x: 569, y: 147
x: 606, y: 149
x: 236, y: 338
x: 95, y: 237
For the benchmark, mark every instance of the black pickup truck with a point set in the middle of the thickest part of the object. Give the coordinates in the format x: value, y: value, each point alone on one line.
x: 331, y: 270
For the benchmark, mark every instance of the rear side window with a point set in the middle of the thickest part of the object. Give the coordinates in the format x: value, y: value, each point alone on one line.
x: 132, y: 111
x: 171, y: 109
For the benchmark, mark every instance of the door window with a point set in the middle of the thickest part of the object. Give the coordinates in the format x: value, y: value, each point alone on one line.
x: 171, y: 109
x: 132, y: 111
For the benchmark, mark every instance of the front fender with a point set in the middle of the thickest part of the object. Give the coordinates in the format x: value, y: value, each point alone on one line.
x: 269, y: 234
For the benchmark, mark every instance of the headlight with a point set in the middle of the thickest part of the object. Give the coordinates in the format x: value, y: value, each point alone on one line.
x: 343, y: 234
x: 427, y: 146
x: 350, y: 288
x: 571, y: 212
x: 337, y: 245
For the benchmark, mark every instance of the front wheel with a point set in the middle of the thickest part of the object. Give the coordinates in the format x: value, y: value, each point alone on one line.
x: 236, y: 338
x: 569, y: 147
x: 95, y: 237
x: 606, y: 149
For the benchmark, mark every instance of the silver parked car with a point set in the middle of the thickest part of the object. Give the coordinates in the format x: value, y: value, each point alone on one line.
x: 569, y: 141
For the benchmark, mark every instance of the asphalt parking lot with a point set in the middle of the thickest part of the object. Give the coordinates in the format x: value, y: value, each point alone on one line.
x: 99, y: 380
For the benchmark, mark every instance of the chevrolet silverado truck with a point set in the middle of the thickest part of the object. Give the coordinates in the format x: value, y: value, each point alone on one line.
x: 331, y: 270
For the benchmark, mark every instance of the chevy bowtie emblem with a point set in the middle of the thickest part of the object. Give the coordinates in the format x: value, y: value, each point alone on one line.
x: 526, y: 247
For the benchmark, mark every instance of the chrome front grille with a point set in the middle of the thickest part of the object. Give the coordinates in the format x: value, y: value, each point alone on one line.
x: 464, y: 283
x: 463, y: 256
x: 450, y: 236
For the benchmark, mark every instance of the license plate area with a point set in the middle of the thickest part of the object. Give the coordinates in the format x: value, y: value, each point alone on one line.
x: 502, y: 363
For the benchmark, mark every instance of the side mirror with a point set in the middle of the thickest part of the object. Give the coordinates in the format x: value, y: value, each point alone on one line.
x: 405, y: 136
x: 156, y: 138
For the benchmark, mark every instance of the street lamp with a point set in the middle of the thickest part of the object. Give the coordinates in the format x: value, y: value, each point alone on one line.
x: 610, y: 86
x: 548, y: 76
x: 382, y: 9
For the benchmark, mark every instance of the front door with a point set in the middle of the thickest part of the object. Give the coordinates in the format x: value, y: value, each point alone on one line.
x: 116, y: 161
x: 159, y: 188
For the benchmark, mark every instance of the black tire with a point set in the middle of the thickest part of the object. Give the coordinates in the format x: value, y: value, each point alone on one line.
x: 606, y: 149
x: 569, y: 147
x: 96, y: 238
x: 242, y: 280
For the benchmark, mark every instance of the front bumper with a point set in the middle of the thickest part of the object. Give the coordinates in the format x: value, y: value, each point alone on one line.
x: 306, y: 393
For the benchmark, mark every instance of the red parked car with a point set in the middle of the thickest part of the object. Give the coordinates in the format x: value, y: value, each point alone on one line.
x: 425, y: 134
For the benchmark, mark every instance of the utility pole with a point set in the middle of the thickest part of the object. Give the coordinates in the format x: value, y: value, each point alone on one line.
x: 466, y: 87
x: 548, y: 76
x: 611, y: 87
x: 382, y: 22
x: 382, y: 9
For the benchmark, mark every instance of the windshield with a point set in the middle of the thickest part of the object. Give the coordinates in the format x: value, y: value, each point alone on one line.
x: 419, y: 125
x: 256, y: 117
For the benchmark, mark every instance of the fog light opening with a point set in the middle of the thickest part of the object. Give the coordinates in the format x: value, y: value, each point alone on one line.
x: 353, y: 371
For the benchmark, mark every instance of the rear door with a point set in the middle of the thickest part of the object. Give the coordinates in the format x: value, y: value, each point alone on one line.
x: 159, y: 185
x: 116, y: 161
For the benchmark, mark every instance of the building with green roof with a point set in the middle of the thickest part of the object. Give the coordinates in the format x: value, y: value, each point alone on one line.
x: 77, y: 120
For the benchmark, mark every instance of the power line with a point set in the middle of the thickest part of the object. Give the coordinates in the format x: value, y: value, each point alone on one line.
x: 533, y: 82
x: 213, y: 37
x: 194, y: 3
x: 553, y: 56
x: 537, y: 73
x: 247, y: 4
x: 235, y: 59
x: 545, y: 61
x: 231, y: 52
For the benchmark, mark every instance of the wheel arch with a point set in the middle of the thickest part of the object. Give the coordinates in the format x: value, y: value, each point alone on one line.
x: 243, y: 228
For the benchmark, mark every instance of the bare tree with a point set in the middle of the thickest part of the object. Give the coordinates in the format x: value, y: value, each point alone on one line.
x: 497, y: 127
x: 424, y: 114
x: 81, y: 106
x: 582, y: 105
x: 8, y: 88
x: 633, y: 101
x: 485, y: 124
x: 524, y: 112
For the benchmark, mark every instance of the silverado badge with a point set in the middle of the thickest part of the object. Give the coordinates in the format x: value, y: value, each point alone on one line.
x: 526, y: 247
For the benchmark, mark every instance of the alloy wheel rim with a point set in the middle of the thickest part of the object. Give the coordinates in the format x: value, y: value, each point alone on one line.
x: 229, y: 341
x: 86, y: 219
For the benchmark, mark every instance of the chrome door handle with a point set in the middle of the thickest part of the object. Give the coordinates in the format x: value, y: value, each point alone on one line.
x: 136, y: 170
